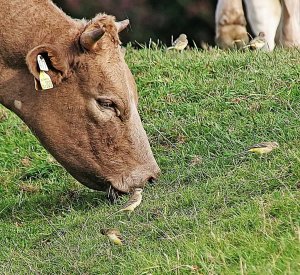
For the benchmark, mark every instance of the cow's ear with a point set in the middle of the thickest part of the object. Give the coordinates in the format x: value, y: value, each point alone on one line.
x: 57, y: 62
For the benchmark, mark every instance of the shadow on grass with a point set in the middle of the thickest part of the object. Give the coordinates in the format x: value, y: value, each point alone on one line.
x: 32, y: 206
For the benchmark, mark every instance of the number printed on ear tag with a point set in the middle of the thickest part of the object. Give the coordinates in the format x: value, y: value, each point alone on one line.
x: 45, y: 81
x: 42, y: 63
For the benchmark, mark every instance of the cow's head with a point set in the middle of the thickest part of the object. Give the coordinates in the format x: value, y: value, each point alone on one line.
x: 89, y: 120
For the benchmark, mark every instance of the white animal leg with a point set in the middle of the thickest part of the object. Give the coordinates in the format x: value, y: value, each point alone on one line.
x: 264, y: 16
x: 290, y: 32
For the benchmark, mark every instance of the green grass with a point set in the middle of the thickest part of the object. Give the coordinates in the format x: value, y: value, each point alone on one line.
x: 213, y: 210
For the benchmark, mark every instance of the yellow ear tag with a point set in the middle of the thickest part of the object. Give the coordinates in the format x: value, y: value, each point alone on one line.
x: 45, y: 81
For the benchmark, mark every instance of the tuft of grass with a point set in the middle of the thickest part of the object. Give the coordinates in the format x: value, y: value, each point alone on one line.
x: 214, y: 211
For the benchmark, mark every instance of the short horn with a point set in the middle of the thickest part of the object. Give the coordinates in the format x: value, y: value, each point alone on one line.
x: 122, y: 25
x: 88, y: 39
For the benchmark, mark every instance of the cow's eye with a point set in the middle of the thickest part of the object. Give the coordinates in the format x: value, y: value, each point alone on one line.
x: 108, y: 104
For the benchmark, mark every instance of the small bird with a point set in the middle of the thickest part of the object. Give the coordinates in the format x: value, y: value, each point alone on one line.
x: 263, y: 147
x: 180, y: 43
x: 258, y: 42
x: 114, y: 235
x: 134, y: 201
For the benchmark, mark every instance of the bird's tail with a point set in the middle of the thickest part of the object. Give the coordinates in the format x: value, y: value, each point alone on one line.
x: 170, y: 48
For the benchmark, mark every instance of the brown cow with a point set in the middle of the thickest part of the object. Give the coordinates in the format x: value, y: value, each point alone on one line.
x: 89, y: 121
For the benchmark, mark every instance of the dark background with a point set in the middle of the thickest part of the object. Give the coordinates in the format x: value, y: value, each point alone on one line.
x: 155, y: 19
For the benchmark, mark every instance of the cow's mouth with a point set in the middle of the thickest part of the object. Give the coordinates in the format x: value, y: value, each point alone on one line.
x: 113, y: 188
x: 113, y: 194
x: 97, y: 183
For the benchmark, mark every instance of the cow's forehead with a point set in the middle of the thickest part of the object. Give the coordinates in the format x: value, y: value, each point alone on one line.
x: 109, y: 72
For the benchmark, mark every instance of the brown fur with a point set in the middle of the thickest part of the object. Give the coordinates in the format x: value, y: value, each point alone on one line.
x: 230, y: 36
x: 231, y: 25
x: 94, y: 143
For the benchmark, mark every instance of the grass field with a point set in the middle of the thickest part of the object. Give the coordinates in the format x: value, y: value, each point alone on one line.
x: 213, y: 211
